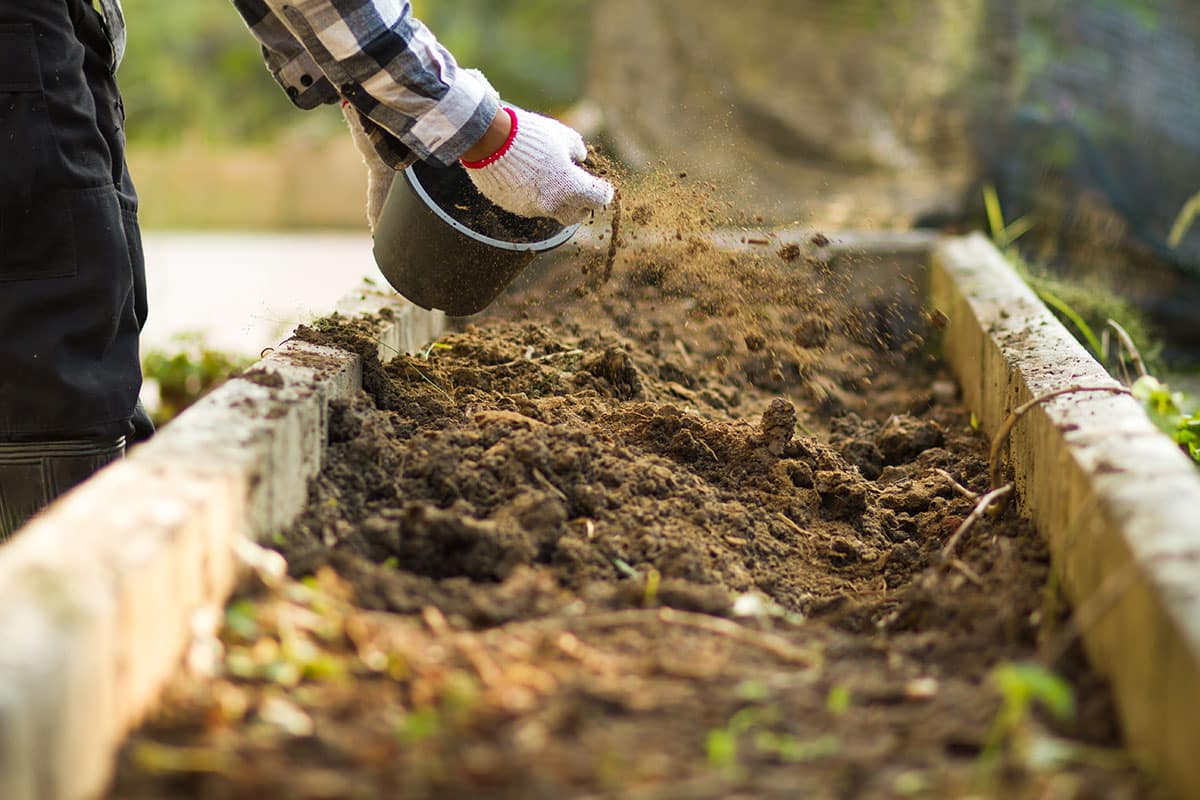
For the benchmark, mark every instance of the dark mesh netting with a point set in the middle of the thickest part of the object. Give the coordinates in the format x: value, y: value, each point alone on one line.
x: 1099, y: 125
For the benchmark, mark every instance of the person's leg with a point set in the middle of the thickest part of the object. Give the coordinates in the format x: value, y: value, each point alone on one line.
x: 72, y: 286
x: 110, y: 117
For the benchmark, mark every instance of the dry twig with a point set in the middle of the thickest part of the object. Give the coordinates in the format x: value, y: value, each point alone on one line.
x: 972, y: 518
x: 958, y: 487
x: 768, y: 643
x: 966, y: 572
x: 1129, y: 347
x: 1002, y: 435
x: 529, y: 358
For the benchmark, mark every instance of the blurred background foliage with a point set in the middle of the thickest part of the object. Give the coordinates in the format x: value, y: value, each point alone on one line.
x: 215, y: 143
x: 1084, y: 114
x: 193, y: 71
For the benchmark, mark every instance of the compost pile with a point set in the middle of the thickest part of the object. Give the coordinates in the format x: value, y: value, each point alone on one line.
x: 674, y: 535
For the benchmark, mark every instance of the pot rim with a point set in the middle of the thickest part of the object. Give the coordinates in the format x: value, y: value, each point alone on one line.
x: 517, y: 247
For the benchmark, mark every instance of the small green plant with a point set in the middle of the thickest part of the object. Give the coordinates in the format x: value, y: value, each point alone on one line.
x: 1085, y: 306
x: 1005, y: 235
x: 186, y: 374
x: 838, y: 700
x: 429, y: 349
x: 757, y: 722
x: 650, y: 591
x: 1022, y: 688
x: 1168, y: 411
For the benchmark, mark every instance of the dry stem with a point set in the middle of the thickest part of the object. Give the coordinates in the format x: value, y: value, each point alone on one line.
x: 972, y: 518
x: 775, y: 645
x: 1002, y: 435
x: 958, y: 487
x: 1127, y: 343
x: 968, y: 573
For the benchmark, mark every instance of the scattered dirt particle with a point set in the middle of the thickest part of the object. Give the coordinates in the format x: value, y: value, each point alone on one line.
x: 790, y: 252
x: 642, y: 214
x: 811, y: 331
x: 263, y: 377
x: 819, y: 240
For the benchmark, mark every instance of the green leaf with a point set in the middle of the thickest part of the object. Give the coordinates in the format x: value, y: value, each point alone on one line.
x: 752, y: 691
x: 1020, y: 683
x: 720, y: 747
x: 995, y: 215
x: 241, y: 619
x: 1187, y: 215
x: 1052, y: 300
x: 420, y: 725
x: 1162, y: 406
x: 794, y: 750
x: 838, y: 701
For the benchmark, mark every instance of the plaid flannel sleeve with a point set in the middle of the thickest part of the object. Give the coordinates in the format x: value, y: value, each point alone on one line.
x: 289, y: 63
x: 387, y: 64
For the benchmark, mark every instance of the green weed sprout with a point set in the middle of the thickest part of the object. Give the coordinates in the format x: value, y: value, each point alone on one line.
x: 1022, y: 687
x: 1005, y: 235
x: 187, y: 373
x: 1166, y: 410
x: 1084, y: 306
x: 1187, y: 215
x: 757, y: 722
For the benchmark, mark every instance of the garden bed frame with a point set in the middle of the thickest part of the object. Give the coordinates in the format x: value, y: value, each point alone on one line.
x: 101, y: 595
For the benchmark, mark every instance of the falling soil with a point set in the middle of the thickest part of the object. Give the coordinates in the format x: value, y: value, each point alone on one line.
x: 678, y: 536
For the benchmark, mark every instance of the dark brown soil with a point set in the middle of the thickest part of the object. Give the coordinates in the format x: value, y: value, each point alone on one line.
x: 454, y: 193
x: 678, y: 537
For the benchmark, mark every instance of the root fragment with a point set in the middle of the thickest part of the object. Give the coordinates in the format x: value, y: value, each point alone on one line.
x: 1001, y: 437
x: 958, y: 487
x: 777, y: 646
x: 972, y: 518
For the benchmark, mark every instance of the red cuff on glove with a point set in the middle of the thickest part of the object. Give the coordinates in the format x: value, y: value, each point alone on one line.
x: 496, y: 156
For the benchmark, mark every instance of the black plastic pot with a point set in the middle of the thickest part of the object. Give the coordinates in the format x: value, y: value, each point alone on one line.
x: 33, y: 474
x: 443, y: 245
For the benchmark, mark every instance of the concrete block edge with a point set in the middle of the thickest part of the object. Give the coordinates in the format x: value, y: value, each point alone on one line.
x: 196, y: 491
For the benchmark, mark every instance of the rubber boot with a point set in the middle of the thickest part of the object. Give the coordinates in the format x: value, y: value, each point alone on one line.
x: 33, y: 474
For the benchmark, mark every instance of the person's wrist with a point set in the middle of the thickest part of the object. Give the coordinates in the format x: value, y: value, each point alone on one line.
x: 495, y: 142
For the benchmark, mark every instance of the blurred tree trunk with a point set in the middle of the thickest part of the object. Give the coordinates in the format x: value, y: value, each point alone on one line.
x: 839, y: 113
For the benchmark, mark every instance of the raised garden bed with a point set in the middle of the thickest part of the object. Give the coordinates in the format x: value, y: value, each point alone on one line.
x: 574, y: 551
x: 688, y: 534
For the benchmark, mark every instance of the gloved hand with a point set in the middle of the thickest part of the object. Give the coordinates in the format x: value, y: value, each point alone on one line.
x: 536, y: 172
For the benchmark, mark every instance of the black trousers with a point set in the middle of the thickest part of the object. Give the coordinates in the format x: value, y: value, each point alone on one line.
x: 72, y: 277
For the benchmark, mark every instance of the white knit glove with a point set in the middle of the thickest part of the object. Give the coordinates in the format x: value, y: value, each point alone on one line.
x: 536, y: 174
